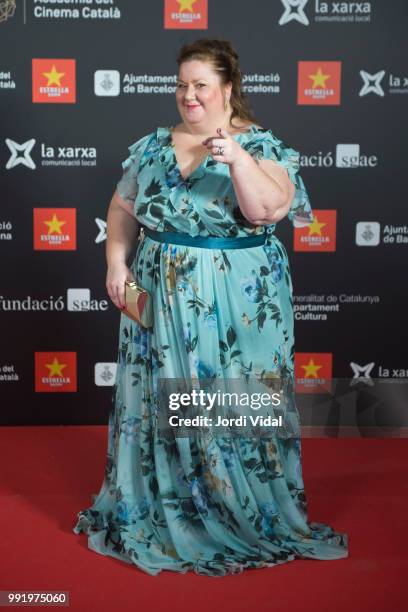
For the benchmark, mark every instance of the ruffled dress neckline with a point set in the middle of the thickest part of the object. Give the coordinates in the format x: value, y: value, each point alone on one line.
x: 167, y: 156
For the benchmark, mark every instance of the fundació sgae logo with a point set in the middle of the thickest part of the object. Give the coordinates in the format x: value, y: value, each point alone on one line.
x: 185, y: 14
x: 313, y: 372
x: 320, y: 235
x: 54, y: 229
x: 55, y: 371
x: 319, y: 83
x: 54, y: 80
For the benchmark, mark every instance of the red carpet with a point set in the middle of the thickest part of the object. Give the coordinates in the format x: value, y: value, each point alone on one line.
x: 359, y: 486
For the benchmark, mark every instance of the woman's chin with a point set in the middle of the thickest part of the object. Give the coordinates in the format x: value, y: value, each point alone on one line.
x: 193, y: 114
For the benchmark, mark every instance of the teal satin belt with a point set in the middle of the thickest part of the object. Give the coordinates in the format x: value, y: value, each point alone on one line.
x: 206, y: 242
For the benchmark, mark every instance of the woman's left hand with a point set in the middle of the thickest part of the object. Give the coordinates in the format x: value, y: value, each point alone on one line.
x: 230, y: 148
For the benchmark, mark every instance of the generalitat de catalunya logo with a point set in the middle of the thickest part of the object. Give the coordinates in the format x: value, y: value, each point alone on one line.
x: 54, y: 81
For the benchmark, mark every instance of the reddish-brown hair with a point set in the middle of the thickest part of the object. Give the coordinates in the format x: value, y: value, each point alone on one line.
x: 224, y: 58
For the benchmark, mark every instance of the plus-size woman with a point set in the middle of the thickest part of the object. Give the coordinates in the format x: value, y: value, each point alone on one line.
x: 204, y: 197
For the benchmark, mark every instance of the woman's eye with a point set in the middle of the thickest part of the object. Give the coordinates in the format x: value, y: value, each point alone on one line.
x: 179, y: 85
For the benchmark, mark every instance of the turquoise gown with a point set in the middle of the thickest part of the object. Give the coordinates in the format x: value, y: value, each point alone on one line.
x: 215, y: 505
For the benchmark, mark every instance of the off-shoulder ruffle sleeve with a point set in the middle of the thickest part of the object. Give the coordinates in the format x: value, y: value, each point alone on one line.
x: 265, y: 145
x: 127, y: 186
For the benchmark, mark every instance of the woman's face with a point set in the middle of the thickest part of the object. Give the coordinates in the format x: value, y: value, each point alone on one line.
x: 199, y: 93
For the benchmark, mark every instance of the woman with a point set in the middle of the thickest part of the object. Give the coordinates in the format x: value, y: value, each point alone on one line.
x: 222, y: 309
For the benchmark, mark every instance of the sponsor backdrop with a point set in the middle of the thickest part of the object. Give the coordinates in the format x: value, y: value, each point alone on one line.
x: 82, y: 80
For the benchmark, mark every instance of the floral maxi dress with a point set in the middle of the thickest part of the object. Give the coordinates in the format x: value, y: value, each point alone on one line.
x: 214, y: 505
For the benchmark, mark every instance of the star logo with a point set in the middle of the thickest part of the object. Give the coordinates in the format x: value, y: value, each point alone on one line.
x: 371, y: 83
x: 319, y: 82
x: 319, y: 234
x: 186, y: 5
x: 186, y: 14
x: 294, y: 11
x: 319, y: 79
x: 311, y: 369
x: 54, y: 226
x: 24, y: 159
x: 54, y: 77
x: 315, y: 227
x: 55, y: 368
x: 53, y: 80
x: 54, y: 229
x: 55, y: 371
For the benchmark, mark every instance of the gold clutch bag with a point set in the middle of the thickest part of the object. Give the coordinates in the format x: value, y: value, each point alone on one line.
x: 139, y: 304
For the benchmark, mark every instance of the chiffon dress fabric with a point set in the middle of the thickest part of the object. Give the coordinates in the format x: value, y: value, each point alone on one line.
x: 214, y: 505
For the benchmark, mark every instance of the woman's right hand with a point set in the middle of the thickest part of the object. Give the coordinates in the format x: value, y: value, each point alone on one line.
x: 116, y: 276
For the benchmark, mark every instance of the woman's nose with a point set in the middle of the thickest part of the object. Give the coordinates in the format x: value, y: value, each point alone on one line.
x: 189, y: 92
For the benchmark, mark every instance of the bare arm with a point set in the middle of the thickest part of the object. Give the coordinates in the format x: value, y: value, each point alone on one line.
x: 264, y: 189
x: 121, y: 234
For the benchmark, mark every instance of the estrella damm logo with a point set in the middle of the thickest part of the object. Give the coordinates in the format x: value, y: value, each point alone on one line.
x: 319, y: 83
x: 55, y: 371
x: 313, y: 372
x: 54, y: 80
x: 185, y: 14
x: 54, y: 229
x: 320, y: 235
